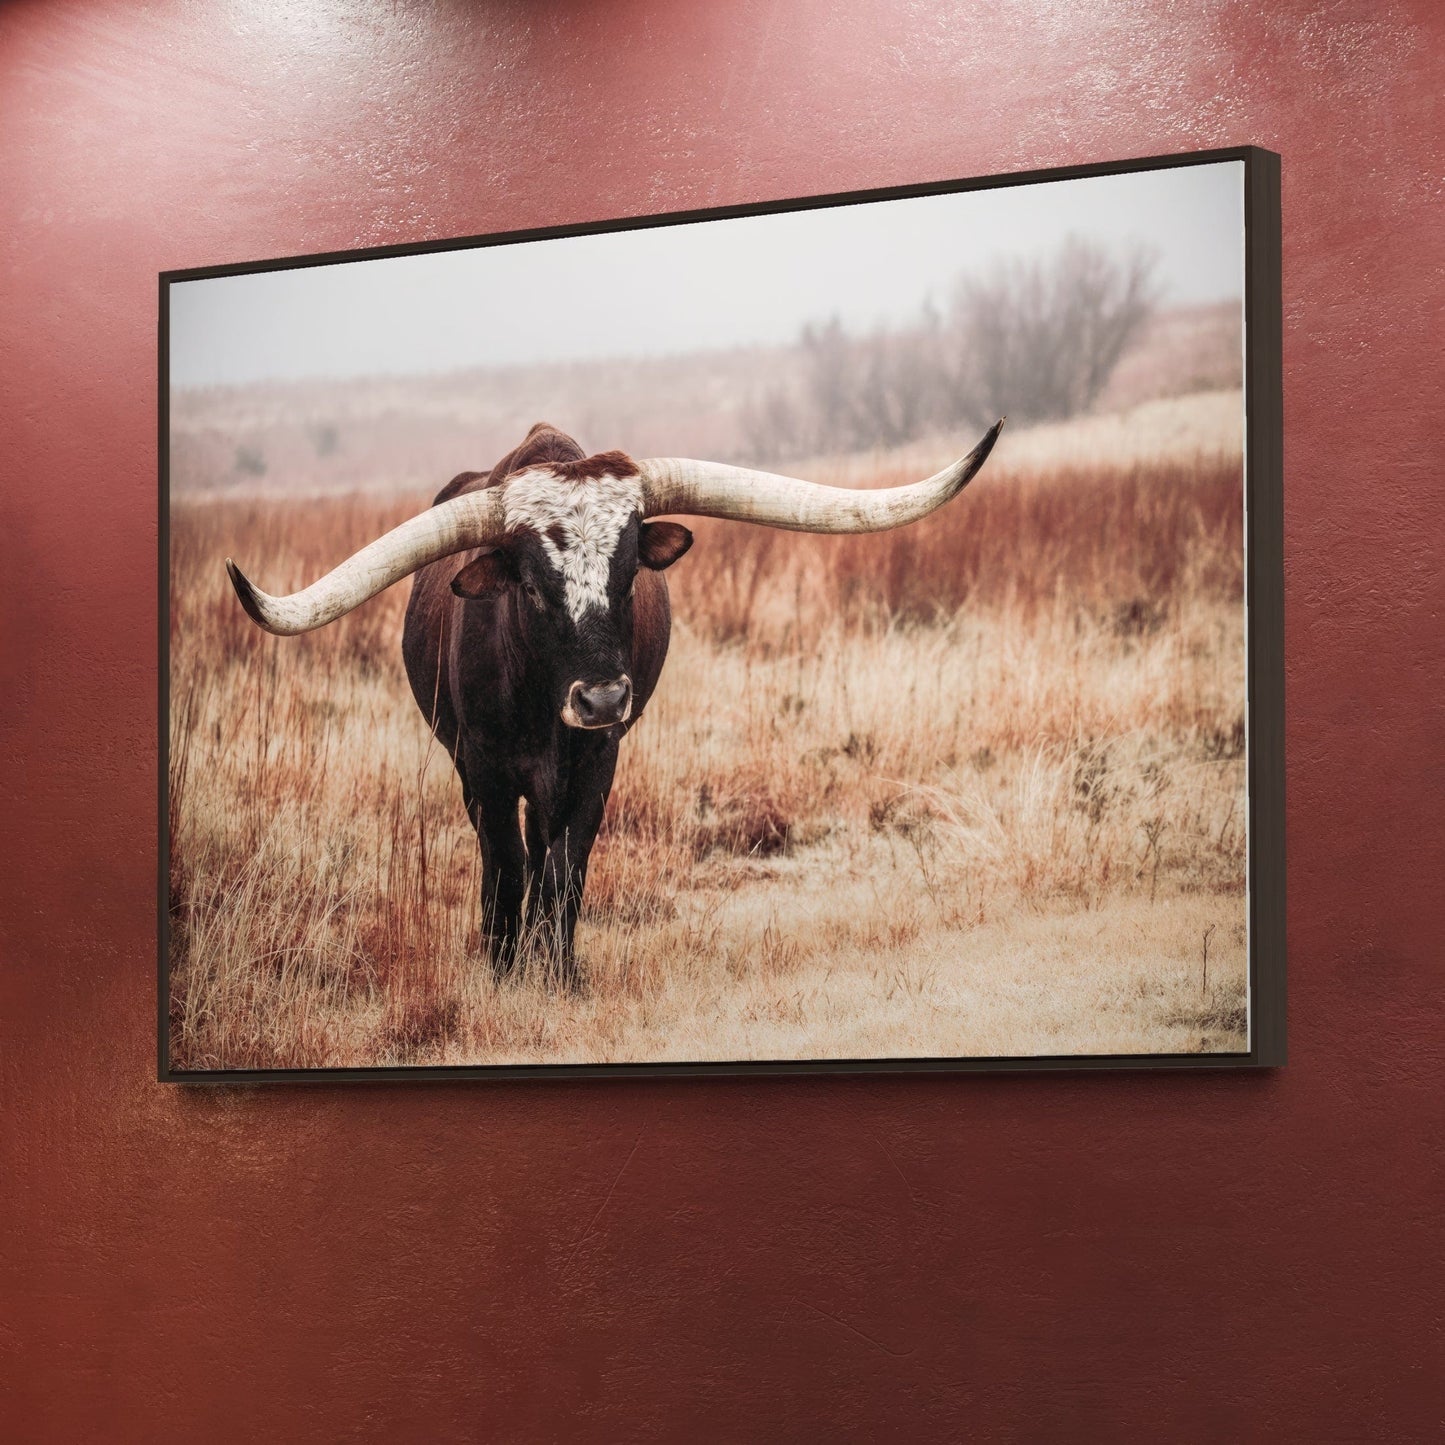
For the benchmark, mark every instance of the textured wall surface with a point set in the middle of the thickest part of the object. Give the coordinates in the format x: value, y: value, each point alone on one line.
x: 1107, y: 1257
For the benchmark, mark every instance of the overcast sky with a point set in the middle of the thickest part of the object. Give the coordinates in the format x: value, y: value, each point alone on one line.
x: 687, y: 288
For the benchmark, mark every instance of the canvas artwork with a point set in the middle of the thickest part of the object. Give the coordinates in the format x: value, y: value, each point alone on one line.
x: 835, y: 634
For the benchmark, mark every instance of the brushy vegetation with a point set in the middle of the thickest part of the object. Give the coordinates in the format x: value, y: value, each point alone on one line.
x: 972, y: 787
x: 1038, y: 339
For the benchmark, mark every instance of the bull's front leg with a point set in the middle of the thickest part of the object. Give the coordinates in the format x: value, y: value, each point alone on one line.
x: 559, y: 847
x: 493, y: 811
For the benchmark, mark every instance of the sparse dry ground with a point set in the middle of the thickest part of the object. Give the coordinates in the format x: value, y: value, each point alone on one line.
x: 972, y: 788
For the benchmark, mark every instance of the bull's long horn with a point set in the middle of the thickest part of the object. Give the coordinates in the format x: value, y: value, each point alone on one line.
x: 677, y: 486
x: 453, y: 526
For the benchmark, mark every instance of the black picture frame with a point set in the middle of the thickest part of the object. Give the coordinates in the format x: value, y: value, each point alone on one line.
x: 1264, y: 519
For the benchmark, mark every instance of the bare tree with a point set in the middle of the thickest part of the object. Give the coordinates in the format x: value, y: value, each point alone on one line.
x: 829, y: 371
x: 1039, y: 339
x: 1035, y: 340
x: 900, y: 382
x: 772, y: 426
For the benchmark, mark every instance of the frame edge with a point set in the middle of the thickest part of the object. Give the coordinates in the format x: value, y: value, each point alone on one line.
x: 1263, y: 392
x: 1264, y: 500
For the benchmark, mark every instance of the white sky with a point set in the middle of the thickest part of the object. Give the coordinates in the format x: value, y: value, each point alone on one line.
x: 673, y: 289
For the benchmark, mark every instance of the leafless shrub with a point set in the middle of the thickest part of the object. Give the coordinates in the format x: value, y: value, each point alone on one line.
x: 250, y: 461
x: 1035, y: 340
x: 1038, y: 340
x: 420, y: 1024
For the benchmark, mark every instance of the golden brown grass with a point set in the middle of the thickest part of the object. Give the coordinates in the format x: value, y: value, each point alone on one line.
x: 971, y: 788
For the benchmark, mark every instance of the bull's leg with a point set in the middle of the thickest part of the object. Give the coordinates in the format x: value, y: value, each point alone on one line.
x: 493, y: 811
x: 559, y: 846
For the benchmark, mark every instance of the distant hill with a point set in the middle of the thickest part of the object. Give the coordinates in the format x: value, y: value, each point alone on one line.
x: 413, y: 434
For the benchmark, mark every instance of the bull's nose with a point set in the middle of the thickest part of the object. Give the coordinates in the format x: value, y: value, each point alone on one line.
x: 598, y: 704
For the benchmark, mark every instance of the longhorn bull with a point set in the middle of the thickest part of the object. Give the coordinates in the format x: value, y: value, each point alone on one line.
x: 537, y: 629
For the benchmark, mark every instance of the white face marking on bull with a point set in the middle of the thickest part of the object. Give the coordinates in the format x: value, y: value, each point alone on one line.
x: 588, y: 515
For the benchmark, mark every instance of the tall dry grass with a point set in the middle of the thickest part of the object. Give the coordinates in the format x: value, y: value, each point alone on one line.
x: 975, y: 787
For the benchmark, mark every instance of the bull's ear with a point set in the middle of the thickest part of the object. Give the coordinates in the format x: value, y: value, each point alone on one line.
x: 660, y: 544
x: 484, y: 576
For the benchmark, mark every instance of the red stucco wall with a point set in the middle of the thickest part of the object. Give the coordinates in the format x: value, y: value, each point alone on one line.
x: 1124, y: 1257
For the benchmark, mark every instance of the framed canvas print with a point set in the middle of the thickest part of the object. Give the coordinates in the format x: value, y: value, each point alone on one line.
x: 839, y: 633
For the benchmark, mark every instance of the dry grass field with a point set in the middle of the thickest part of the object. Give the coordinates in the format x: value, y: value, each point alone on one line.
x: 971, y: 788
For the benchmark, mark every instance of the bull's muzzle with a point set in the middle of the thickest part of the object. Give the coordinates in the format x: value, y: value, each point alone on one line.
x: 598, y: 704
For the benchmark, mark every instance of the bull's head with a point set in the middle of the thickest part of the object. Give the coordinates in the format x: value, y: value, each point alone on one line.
x: 573, y: 542
x: 566, y: 540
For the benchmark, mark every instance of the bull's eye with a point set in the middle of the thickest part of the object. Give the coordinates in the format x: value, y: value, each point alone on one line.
x: 534, y: 594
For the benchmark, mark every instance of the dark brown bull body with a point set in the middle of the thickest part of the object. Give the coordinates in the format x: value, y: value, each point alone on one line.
x: 488, y: 671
